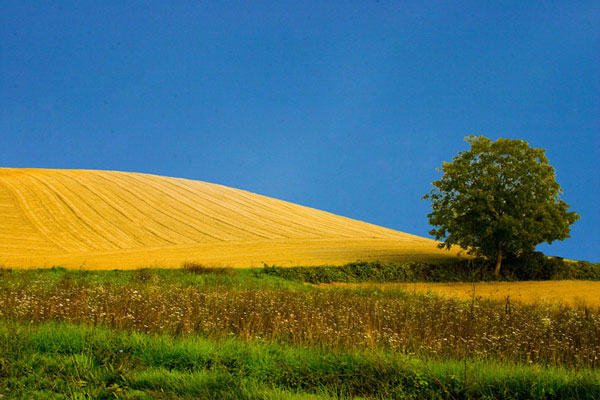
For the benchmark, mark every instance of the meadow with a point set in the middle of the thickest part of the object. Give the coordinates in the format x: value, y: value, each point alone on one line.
x: 246, y: 333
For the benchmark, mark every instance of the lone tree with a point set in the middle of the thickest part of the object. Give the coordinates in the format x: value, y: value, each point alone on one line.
x: 498, y: 198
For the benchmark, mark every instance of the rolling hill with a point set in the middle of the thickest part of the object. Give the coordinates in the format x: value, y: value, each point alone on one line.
x: 107, y: 219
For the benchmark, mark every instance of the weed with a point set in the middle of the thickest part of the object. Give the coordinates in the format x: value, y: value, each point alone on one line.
x: 201, y: 269
x: 4, y: 270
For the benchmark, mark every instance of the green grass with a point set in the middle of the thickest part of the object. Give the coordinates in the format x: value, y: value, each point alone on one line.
x: 247, y: 334
x: 251, y: 278
x: 55, y: 359
x: 257, y: 307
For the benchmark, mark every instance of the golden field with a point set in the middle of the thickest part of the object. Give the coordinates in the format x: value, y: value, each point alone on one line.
x: 586, y: 293
x: 107, y: 219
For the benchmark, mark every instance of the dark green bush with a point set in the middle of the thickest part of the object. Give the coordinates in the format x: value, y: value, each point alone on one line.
x: 4, y: 270
x: 142, y: 275
x: 377, y: 271
x: 587, y: 271
x: 200, y: 269
x: 537, y: 266
x: 531, y: 266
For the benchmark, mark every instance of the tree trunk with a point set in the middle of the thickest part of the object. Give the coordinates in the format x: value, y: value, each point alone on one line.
x: 498, y: 261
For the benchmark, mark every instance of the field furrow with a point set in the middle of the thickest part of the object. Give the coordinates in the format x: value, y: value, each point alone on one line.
x: 222, y: 216
x: 109, y: 219
x: 178, y: 215
x: 153, y: 226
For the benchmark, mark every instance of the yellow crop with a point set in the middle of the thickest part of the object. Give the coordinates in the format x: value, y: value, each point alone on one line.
x: 530, y: 292
x: 107, y: 219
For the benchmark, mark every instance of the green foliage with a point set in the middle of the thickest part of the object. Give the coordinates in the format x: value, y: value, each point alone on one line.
x: 586, y: 271
x: 539, y: 267
x: 57, y: 360
x: 498, y: 198
x: 200, y: 269
x: 536, y: 266
x: 270, y: 308
x: 526, y: 267
x: 380, y: 272
x: 4, y: 270
x: 172, y: 334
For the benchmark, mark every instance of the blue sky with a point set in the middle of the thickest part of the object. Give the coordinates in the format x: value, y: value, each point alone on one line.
x: 347, y: 107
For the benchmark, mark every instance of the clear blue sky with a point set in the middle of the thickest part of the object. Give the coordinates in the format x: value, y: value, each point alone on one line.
x: 346, y: 106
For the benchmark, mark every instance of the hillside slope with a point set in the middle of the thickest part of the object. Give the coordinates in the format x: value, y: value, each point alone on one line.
x: 107, y: 219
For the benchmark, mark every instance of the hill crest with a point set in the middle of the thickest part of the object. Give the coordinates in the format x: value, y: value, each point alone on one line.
x: 111, y: 219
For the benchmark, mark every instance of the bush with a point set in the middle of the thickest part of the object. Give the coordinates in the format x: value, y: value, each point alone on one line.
x: 201, y: 269
x: 586, y: 270
x: 530, y: 266
x: 539, y: 267
x: 144, y: 275
x: 377, y: 271
x: 4, y: 270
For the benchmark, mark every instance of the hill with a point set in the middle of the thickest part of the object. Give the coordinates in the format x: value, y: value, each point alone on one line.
x: 108, y: 219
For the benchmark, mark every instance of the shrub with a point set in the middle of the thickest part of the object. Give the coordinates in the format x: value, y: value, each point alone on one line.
x: 143, y: 275
x: 377, y: 271
x: 530, y: 266
x: 537, y: 266
x: 201, y: 269
x: 4, y: 270
x: 586, y: 270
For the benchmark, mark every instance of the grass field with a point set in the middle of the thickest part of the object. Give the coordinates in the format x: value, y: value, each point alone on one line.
x: 107, y: 219
x: 237, y: 333
x: 584, y: 293
x: 61, y: 360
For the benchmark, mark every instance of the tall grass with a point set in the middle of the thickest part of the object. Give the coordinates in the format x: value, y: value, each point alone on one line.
x: 202, y: 269
x: 58, y: 360
x: 255, y: 309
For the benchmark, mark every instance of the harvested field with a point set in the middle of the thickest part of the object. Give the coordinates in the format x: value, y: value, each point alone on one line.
x: 108, y: 219
x: 585, y: 293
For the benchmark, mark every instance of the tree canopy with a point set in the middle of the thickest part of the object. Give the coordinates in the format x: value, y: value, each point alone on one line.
x: 498, y: 198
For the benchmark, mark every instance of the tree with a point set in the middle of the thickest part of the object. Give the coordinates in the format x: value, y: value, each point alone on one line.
x: 498, y: 198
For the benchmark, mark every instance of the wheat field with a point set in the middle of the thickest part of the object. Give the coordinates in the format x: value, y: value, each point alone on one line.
x: 108, y: 219
x: 574, y: 293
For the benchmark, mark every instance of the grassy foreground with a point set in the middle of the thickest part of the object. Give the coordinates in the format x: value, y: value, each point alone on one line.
x: 57, y: 360
x: 230, y: 334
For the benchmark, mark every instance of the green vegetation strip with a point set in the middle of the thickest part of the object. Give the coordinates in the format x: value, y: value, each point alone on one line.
x: 533, y: 266
x: 53, y: 359
x: 250, y: 307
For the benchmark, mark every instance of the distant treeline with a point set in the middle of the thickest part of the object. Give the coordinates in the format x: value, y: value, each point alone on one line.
x: 534, y: 266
